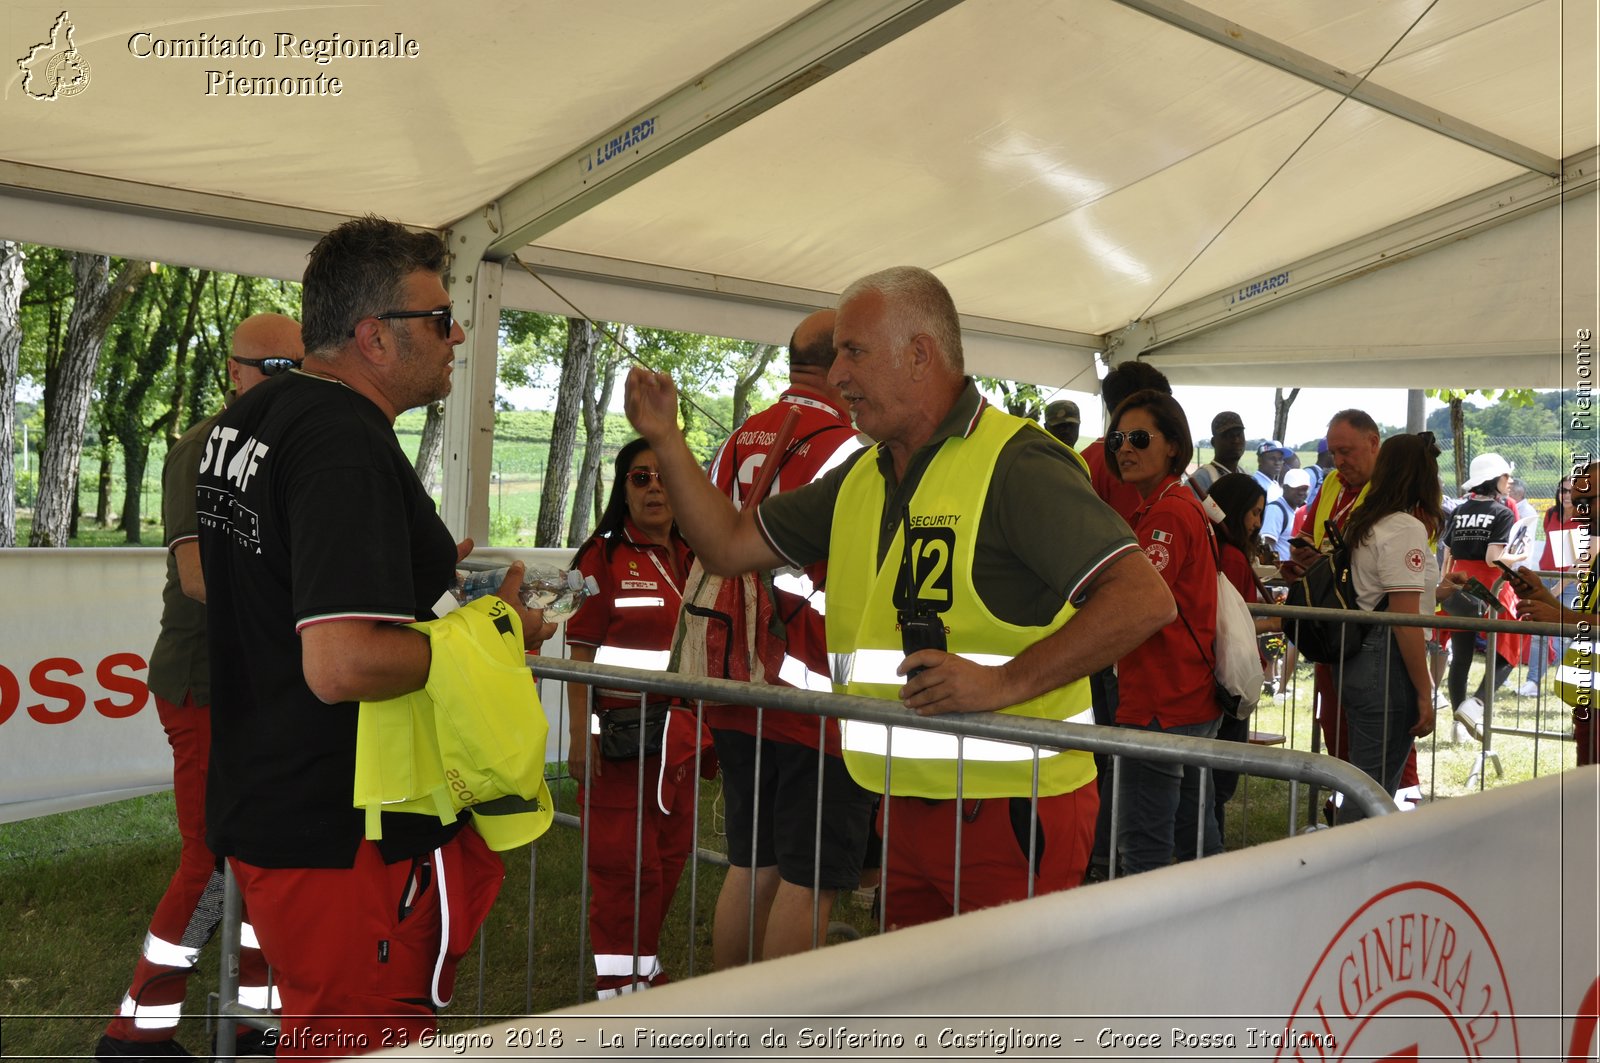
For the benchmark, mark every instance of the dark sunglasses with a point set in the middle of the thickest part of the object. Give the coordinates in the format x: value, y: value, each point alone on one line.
x: 1429, y: 442
x: 642, y: 477
x: 1138, y: 437
x: 269, y: 366
x: 444, y: 315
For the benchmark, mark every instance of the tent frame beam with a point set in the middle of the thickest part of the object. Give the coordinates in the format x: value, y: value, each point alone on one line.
x: 160, y: 201
x: 1186, y: 16
x: 557, y: 263
x: 1407, y: 239
x: 783, y: 64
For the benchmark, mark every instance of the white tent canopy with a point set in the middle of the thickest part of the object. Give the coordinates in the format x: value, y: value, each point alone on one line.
x: 1248, y: 191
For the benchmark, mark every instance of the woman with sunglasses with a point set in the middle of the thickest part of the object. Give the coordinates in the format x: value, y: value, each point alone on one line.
x: 639, y: 560
x: 1560, y: 521
x: 1386, y: 688
x: 1166, y: 685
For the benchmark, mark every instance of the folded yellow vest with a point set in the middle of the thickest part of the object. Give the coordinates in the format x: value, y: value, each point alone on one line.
x: 472, y: 738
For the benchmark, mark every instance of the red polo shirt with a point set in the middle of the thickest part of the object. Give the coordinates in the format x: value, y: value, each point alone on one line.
x: 1169, y: 678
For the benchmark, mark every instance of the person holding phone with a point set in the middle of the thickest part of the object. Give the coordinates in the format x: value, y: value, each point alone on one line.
x: 1477, y: 536
x: 1575, y: 682
x: 1561, y: 521
x: 1387, y: 689
x: 1167, y: 682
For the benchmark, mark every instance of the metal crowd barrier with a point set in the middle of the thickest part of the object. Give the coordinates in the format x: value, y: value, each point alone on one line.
x: 1295, y: 766
x: 1208, y: 754
x: 1492, y: 628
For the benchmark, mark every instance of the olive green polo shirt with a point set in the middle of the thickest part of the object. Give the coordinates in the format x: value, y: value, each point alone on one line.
x: 181, y: 662
x: 1042, y: 537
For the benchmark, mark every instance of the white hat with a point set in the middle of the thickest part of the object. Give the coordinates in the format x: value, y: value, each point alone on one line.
x: 1486, y: 467
x: 1297, y: 478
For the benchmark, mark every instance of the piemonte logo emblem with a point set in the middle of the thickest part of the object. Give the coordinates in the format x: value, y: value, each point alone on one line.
x: 54, y: 69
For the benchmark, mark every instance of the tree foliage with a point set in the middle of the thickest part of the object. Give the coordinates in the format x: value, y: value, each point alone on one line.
x: 1017, y: 398
x: 97, y: 296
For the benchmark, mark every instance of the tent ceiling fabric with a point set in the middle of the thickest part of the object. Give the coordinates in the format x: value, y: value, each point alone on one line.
x: 1068, y: 167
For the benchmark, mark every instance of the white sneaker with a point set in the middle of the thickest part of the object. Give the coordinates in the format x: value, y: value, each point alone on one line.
x: 1470, y: 715
x: 1530, y: 689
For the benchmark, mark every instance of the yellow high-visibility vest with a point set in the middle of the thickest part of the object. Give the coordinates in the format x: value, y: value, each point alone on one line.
x: 473, y: 737
x: 863, y: 628
x: 1327, y: 495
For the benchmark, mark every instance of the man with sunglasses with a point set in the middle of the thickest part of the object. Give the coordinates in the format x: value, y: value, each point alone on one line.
x: 970, y: 568
x: 1352, y: 441
x: 319, y: 546
x: 188, y: 913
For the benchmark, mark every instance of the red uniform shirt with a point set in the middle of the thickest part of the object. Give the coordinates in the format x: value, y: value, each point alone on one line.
x: 641, y: 590
x: 822, y: 439
x: 1122, y: 497
x: 1166, y: 677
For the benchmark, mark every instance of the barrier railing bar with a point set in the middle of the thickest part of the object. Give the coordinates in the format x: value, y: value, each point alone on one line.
x: 1141, y: 745
x: 1454, y: 623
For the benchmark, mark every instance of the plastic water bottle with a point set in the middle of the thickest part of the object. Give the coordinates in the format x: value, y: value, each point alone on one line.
x: 578, y: 590
x: 558, y: 591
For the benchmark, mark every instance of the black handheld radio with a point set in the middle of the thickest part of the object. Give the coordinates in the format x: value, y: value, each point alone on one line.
x: 921, y: 627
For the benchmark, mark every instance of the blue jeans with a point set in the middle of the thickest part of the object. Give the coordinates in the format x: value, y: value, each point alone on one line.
x: 1380, y: 708
x: 1149, y: 794
x: 1537, y: 653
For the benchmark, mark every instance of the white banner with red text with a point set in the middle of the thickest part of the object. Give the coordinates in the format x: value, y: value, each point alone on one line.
x: 78, y: 724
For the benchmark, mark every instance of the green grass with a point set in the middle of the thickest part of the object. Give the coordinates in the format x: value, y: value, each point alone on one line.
x: 77, y: 890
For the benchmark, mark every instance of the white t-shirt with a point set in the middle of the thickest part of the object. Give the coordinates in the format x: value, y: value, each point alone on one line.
x: 1395, y: 557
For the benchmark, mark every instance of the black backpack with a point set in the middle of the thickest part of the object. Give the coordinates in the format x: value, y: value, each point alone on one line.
x: 1328, y: 584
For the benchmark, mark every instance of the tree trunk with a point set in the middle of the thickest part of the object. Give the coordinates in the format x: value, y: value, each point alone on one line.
x: 135, y: 460
x: 1458, y: 429
x: 102, y: 491
x: 159, y: 326
x: 1416, y: 411
x: 1280, y: 412
x: 596, y: 400
x: 745, y: 382
x: 12, y: 283
x: 431, y: 449
x: 575, y: 359
x: 95, y: 303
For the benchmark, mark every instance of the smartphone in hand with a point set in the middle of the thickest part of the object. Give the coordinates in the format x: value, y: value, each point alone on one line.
x: 1518, y: 582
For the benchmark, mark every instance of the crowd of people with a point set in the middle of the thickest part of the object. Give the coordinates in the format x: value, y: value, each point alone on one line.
x: 927, y: 549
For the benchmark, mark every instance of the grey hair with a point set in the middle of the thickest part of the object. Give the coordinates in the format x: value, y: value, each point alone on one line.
x: 916, y: 302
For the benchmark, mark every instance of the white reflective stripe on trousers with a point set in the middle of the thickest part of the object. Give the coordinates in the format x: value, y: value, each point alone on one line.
x: 259, y: 997
x: 168, y: 953
x: 631, y: 987
x: 247, y: 937
x: 151, y: 1016
x: 619, y: 965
